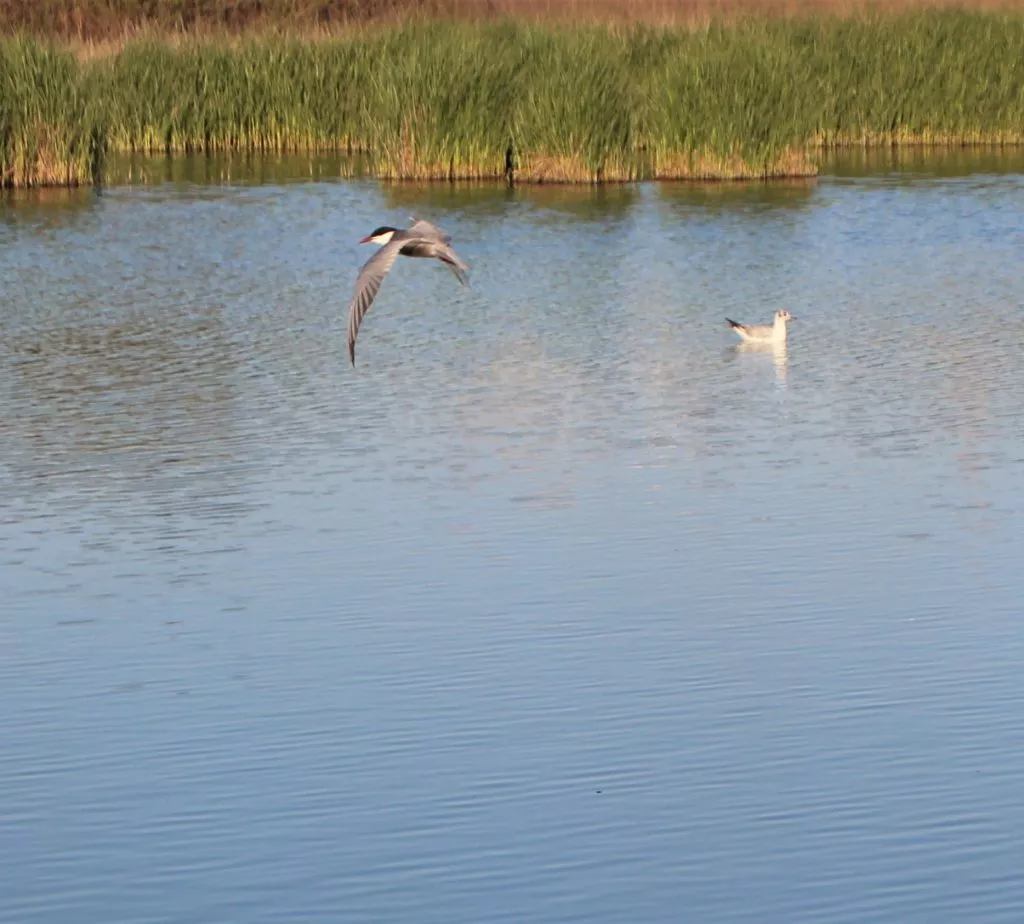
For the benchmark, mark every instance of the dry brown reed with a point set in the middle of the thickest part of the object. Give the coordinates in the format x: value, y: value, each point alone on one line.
x: 112, y: 22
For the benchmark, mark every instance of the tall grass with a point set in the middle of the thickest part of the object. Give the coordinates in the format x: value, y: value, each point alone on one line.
x: 752, y: 98
x: 51, y: 119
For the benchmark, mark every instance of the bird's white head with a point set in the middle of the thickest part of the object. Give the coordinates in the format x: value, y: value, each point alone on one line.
x: 381, y: 235
x: 781, y: 317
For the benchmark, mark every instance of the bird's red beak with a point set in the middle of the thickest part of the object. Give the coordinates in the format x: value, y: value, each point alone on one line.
x: 366, y: 240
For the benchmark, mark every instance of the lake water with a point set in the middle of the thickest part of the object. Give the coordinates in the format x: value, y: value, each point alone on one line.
x: 557, y: 607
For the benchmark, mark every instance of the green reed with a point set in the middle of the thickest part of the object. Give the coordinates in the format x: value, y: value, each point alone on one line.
x: 51, y: 124
x: 436, y: 99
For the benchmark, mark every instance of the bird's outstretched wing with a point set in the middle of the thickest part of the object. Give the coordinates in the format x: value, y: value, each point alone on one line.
x: 453, y: 261
x: 422, y: 228
x: 367, y: 286
x: 421, y: 246
x: 458, y: 272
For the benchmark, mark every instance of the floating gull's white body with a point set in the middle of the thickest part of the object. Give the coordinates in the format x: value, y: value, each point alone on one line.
x: 421, y: 239
x: 776, y: 333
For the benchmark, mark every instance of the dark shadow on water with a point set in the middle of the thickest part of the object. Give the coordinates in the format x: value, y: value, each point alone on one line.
x: 582, y: 202
x: 578, y: 203
x: 45, y: 210
x: 574, y: 203
x: 923, y: 162
x: 588, y: 203
x: 482, y: 199
x: 552, y: 203
x: 780, y: 195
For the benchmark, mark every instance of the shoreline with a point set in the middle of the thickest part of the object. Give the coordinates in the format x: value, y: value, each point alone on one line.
x: 752, y: 100
x: 244, y: 169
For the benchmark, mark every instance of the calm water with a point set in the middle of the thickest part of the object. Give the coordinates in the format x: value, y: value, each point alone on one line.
x: 557, y: 607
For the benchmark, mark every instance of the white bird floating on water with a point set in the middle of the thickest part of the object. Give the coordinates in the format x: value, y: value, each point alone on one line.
x: 776, y: 333
x: 420, y: 239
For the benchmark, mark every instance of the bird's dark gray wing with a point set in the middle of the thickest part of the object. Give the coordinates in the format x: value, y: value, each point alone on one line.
x: 427, y: 247
x: 367, y: 286
x: 425, y: 229
x: 454, y: 262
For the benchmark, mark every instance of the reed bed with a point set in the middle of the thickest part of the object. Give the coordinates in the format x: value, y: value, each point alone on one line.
x: 111, y: 20
x: 529, y: 102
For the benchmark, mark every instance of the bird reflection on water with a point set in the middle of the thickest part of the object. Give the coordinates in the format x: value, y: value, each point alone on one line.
x: 778, y: 352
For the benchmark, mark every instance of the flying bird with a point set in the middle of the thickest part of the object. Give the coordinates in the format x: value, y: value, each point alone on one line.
x: 420, y: 239
x: 776, y: 333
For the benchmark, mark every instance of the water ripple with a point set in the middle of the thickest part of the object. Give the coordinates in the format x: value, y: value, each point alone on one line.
x: 559, y: 606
